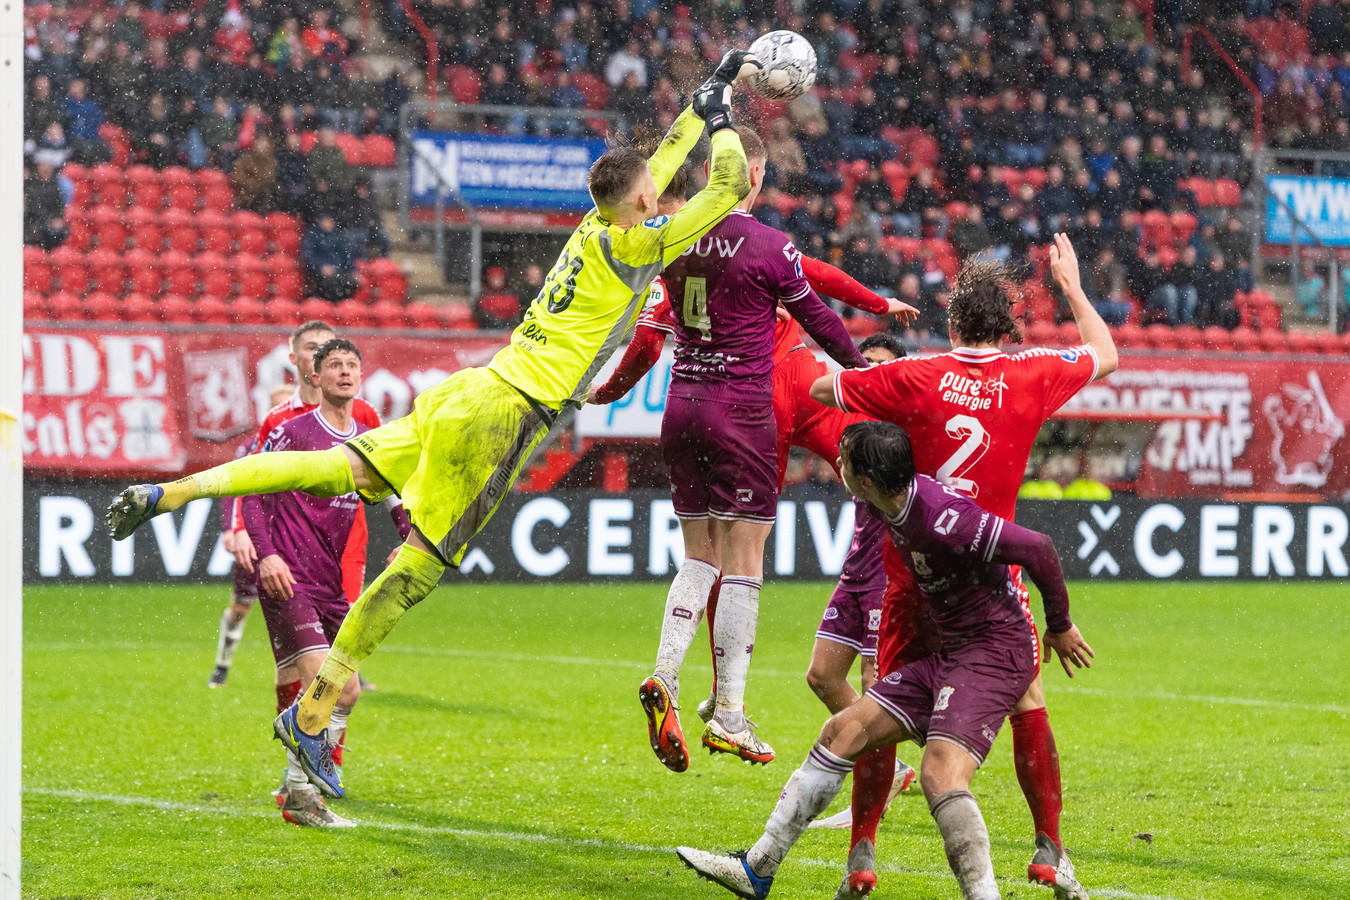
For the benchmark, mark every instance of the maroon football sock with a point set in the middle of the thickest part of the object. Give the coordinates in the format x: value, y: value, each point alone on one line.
x: 872, y: 776
x: 711, y: 613
x: 286, y: 694
x: 1037, y: 763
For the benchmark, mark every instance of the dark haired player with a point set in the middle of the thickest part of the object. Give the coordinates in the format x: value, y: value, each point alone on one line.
x: 718, y: 439
x: 454, y: 458
x: 952, y: 701
x: 300, y: 540
x: 973, y: 414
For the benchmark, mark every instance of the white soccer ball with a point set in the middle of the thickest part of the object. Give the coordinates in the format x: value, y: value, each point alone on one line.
x: 789, y: 66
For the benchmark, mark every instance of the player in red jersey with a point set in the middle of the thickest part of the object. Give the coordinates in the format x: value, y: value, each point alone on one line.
x: 304, y: 341
x: 973, y: 414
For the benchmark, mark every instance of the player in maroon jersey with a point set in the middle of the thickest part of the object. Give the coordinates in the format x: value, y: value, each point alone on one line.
x: 973, y: 415
x: 953, y: 701
x: 300, y: 541
x: 718, y: 439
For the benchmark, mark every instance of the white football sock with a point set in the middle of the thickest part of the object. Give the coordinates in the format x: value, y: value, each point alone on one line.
x: 807, y: 794
x: 733, y: 644
x: 294, y: 774
x: 230, y: 635
x: 966, y: 841
x: 337, y: 724
x: 685, y: 603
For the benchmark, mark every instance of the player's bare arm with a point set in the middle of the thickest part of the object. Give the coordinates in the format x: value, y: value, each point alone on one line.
x: 1091, y: 326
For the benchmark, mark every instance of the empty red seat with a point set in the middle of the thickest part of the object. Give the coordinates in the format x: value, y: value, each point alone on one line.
x: 387, y: 314
x: 352, y: 147
x: 287, y: 284
x: 34, y: 306
x: 1188, y: 337
x: 380, y: 151
x: 140, y: 308
x: 107, y: 270
x: 211, y: 310
x: 1273, y: 341
x: 1131, y: 335
x: 1246, y: 341
x: 1183, y: 226
x: 180, y: 230
x: 180, y: 277
x: 353, y: 314
x: 81, y: 236
x: 214, y: 274
x: 315, y: 308
x: 72, y: 277
x: 65, y: 306
x: 218, y: 197
x: 456, y: 317
x: 1300, y: 342
x: 1218, y: 339
x: 246, y: 310
x: 1227, y: 193
x: 146, y: 188
x: 1157, y: 229
x: 1203, y: 189
x: 282, y: 312
x: 174, y: 309
x: 217, y: 236
x: 1328, y: 342
x: 250, y: 232
x: 421, y: 315
x: 37, y: 272
x: 1161, y: 337
x: 108, y: 227
x: 108, y: 185
x: 144, y: 271
x: 104, y: 307
x: 209, y: 178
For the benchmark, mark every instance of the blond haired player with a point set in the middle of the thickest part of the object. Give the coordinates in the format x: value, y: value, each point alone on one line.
x: 453, y: 459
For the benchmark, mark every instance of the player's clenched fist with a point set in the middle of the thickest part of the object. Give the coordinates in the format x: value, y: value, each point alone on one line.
x: 737, y: 66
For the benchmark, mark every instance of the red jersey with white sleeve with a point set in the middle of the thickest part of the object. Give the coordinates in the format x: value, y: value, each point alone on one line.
x: 354, y: 554
x: 972, y: 417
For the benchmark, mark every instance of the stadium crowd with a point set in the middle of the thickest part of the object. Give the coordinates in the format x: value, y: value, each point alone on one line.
x: 938, y: 130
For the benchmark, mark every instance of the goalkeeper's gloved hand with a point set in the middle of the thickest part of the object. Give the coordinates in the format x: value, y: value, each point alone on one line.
x: 712, y: 104
x: 737, y: 66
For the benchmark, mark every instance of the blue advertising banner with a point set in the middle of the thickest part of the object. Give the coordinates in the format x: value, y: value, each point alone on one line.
x: 1323, y: 203
x: 504, y: 171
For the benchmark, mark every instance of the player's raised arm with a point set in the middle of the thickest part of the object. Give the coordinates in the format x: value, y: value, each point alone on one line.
x: 833, y: 282
x: 1014, y: 545
x: 826, y: 329
x: 1091, y: 326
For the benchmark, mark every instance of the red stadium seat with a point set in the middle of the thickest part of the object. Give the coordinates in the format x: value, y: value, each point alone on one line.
x: 1128, y: 335
x: 592, y: 87
x: 1300, y: 342
x: 380, y: 151
x: 108, y: 271
x: 37, y: 272
x: 34, y: 306
x: 144, y: 272
x: 282, y: 312
x: 180, y: 194
x: 180, y: 230
x: 211, y: 311
x: 1157, y: 229
x: 108, y: 184
x: 214, y: 273
x: 284, y: 233
x: 307, y: 141
x: 1042, y: 334
x: 140, y: 308
x: 250, y: 273
x: 104, y: 307
x: 287, y: 284
x: 1273, y: 341
x: 352, y: 147
x: 147, y: 191
x: 1203, y: 189
x: 65, y: 306
x: 1328, y: 343
x: 387, y: 314
x: 108, y: 227
x: 215, y: 231
x: 1345, y: 342
x: 1183, y: 226
x: 1188, y: 338
x: 1218, y: 339
x: 246, y: 310
x: 175, y: 310
x: 219, y: 197
x: 1227, y: 193
x: 81, y: 236
x: 352, y: 314
x: 250, y: 232
x: 315, y: 308
x: 1161, y: 337
x: 421, y: 315
x: 180, y: 277
x: 211, y: 178
x: 1246, y: 341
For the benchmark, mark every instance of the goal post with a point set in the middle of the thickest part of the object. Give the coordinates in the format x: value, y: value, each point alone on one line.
x: 11, y: 454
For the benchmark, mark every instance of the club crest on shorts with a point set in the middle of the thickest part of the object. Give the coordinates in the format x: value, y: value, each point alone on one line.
x: 873, y: 619
x: 943, y: 697
x: 920, y: 564
x: 745, y: 495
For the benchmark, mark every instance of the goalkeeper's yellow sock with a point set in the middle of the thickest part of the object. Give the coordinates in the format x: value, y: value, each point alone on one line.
x: 323, y: 473
x: 407, y: 581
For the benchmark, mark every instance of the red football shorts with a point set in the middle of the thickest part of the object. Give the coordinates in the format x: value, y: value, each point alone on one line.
x: 354, y: 558
x: 801, y: 421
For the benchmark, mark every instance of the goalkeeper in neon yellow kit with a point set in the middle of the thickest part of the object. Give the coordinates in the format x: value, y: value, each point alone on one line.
x: 455, y: 456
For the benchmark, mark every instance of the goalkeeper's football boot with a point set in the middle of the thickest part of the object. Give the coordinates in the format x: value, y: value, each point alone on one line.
x: 663, y: 724
x: 303, y: 806
x: 218, y: 676
x: 731, y: 871
x: 1051, y: 868
x: 905, y: 776
x: 133, y: 507
x: 860, y: 877
x: 743, y: 743
x: 314, y: 752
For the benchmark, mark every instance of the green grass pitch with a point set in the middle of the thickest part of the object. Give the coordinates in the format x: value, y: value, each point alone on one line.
x: 505, y: 753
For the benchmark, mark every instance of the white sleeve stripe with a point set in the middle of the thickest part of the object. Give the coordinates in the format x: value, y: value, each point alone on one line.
x: 1096, y: 363
x: 797, y: 296
x: 994, y: 534
x: 838, y: 394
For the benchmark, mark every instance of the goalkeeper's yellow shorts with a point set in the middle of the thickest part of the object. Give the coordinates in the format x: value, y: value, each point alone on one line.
x: 453, y: 458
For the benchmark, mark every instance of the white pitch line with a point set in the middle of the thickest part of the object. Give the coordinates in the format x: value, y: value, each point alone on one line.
x: 522, y: 837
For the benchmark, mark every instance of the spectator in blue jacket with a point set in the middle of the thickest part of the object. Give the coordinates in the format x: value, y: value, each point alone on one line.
x: 330, y: 262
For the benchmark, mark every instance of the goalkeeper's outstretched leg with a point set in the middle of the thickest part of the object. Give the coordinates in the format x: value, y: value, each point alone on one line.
x: 327, y: 473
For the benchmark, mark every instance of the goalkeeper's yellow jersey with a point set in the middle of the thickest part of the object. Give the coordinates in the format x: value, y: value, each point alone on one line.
x: 591, y: 298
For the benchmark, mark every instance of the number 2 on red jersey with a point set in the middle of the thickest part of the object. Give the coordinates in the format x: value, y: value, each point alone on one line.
x: 974, y: 442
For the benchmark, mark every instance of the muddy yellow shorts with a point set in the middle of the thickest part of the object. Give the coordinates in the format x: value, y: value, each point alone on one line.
x: 453, y: 458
